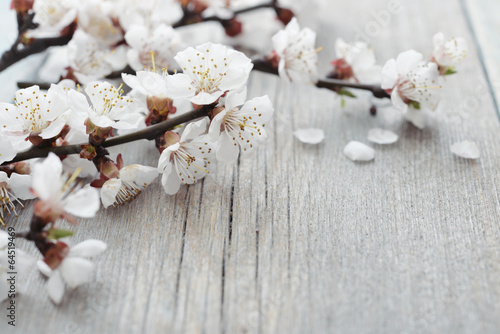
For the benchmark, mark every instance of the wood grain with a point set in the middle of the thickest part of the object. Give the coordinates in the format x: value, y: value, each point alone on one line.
x: 486, y: 29
x: 297, y: 238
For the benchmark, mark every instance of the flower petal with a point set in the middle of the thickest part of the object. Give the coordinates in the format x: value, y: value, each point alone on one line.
x: 227, y: 149
x: 46, y: 176
x: 88, y: 248
x: 310, y: 136
x: 465, y: 149
x: 171, y: 183
x: 83, y: 203
x: 380, y: 136
x: 109, y: 191
x: 20, y: 186
x: 76, y: 271
x: 55, y: 287
x: 357, y: 151
x: 139, y: 174
x: 195, y: 129
x: 44, y: 268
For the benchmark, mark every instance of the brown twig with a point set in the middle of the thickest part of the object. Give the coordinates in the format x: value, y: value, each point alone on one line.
x: 149, y: 133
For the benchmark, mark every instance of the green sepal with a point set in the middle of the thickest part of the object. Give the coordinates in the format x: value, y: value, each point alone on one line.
x: 450, y: 70
x: 55, y: 234
x: 345, y: 92
x: 414, y: 105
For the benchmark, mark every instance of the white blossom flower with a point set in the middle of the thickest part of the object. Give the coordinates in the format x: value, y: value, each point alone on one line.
x: 310, y: 135
x: 128, y: 185
x: 210, y: 70
x: 356, y: 61
x: 152, y: 48
x: 411, y: 82
x: 448, y: 53
x: 188, y: 158
x: 465, y: 149
x: 108, y: 107
x: 74, y: 270
x: 22, y: 263
x: 91, y: 60
x: 357, y: 151
x: 55, y: 14
x: 381, y: 136
x: 59, y: 196
x: 35, y: 113
x: 95, y: 17
x: 11, y: 190
x: 234, y: 128
x: 298, y: 57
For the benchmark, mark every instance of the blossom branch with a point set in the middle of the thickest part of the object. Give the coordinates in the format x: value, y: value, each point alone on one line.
x: 149, y: 133
x: 13, y: 55
x: 332, y: 84
x: 191, y: 17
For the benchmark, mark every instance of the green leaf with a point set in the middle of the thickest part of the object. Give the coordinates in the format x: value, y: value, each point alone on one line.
x: 345, y: 92
x: 342, y: 102
x: 415, y: 105
x: 58, y: 233
x: 450, y: 70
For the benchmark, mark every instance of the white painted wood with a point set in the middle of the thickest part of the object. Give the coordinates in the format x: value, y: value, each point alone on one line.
x: 297, y: 238
x: 486, y: 29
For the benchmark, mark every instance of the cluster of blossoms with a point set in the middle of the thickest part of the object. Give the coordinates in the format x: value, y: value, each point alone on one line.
x: 107, y: 35
x: 198, y: 114
x: 213, y: 82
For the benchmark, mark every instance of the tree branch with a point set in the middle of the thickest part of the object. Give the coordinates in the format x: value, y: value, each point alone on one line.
x: 150, y: 133
x: 12, y: 56
x: 192, y: 18
x: 332, y: 84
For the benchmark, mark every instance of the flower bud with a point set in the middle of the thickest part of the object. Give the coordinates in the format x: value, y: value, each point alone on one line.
x: 56, y: 254
x: 284, y: 15
x: 22, y: 168
x: 233, y: 27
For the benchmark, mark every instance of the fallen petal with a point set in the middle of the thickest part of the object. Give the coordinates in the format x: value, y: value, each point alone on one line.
x: 465, y: 149
x: 357, y: 151
x: 310, y: 136
x: 381, y: 136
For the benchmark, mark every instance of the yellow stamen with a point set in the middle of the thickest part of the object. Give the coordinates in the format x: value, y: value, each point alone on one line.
x: 71, y: 179
x: 203, y: 170
x: 153, y: 60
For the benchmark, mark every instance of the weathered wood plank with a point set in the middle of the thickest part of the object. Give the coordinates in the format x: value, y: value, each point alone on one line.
x: 486, y: 29
x: 297, y: 238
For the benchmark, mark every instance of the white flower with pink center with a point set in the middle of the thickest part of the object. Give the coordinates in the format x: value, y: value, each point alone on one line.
x: 448, y: 52
x: 356, y: 61
x: 187, y: 159
x: 411, y: 82
x: 35, y: 113
x: 209, y: 71
x: 298, y: 57
x: 74, y: 269
x: 130, y: 183
x: 152, y: 48
x: 235, y: 128
x: 59, y: 195
x: 109, y: 108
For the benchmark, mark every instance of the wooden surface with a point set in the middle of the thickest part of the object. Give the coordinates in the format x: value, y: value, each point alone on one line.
x: 299, y: 239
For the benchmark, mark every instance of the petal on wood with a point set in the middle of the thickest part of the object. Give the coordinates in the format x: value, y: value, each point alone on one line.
x: 310, y: 136
x: 381, y: 136
x: 55, y: 287
x: 465, y: 149
x: 357, y: 151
